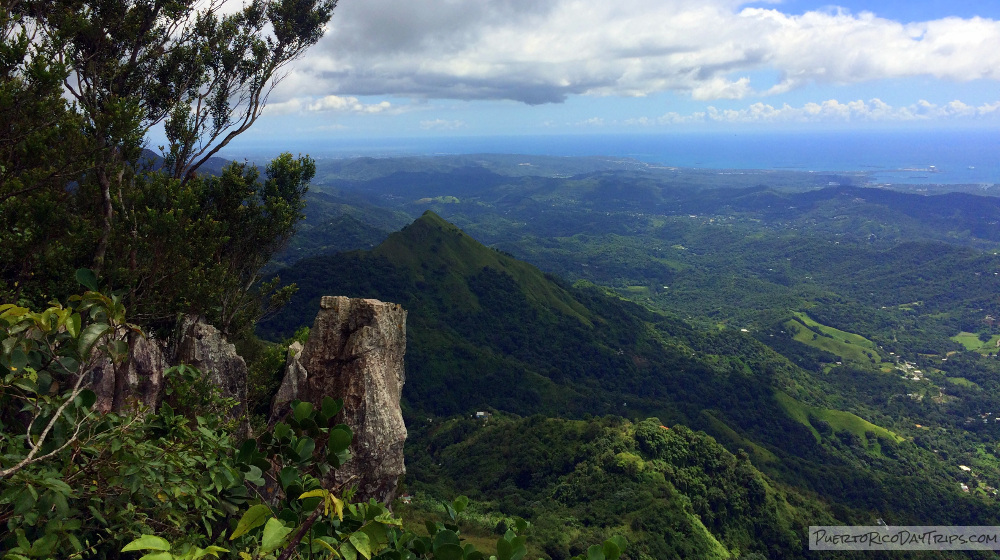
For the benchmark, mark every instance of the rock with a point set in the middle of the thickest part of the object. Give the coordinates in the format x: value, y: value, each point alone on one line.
x: 292, y: 384
x: 102, y: 382
x: 136, y: 383
x: 355, y: 352
x: 203, y: 346
x: 140, y: 382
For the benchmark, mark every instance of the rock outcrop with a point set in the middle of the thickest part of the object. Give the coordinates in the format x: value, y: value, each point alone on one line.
x: 355, y: 352
x: 292, y: 384
x: 205, y: 347
x: 137, y: 383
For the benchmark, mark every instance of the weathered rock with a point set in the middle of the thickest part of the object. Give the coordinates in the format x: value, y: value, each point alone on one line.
x: 140, y: 382
x: 355, y: 352
x: 203, y: 346
x: 292, y: 384
x: 135, y: 383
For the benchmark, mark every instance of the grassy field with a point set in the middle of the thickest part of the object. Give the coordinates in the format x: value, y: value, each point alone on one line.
x: 962, y: 382
x: 849, y: 346
x: 971, y: 342
x: 837, y: 419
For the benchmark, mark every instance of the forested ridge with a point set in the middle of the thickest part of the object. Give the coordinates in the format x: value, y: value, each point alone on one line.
x: 827, y: 299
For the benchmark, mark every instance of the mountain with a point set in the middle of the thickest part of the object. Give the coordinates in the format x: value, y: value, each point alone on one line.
x: 489, y: 332
x: 213, y: 166
x: 334, y: 222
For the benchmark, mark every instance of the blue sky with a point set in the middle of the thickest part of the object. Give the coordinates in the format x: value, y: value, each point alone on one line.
x: 420, y: 68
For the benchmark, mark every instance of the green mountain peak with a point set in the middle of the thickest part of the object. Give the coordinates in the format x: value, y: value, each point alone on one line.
x: 442, y: 258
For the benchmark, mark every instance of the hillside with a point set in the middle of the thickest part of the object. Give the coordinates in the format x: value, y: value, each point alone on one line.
x: 672, y: 492
x: 487, y: 332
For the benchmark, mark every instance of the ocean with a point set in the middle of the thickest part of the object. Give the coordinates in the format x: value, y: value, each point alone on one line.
x: 904, y: 156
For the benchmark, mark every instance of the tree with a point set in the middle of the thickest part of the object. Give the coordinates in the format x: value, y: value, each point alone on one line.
x: 42, y: 149
x: 127, y: 66
x: 136, y: 63
x: 198, y: 247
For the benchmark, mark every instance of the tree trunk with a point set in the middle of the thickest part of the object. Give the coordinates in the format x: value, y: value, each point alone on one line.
x: 107, y: 215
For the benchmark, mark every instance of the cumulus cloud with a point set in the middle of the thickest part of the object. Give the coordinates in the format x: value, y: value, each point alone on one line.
x: 829, y: 111
x: 337, y: 103
x: 326, y: 103
x: 542, y: 51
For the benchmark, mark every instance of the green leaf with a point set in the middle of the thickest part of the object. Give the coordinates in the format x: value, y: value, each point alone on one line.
x: 246, y: 451
x: 460, y: 503
x: 90, y: 336
x: 361, y: 543
x: 97, y: 515
x: 442, y: 538
x: 254, y: 517
x: 215, y: 550
x: 147, y: 542
x: 504, y: 549
x: 288, y: 476
x: 302, y: 410
x: 595, y: 552
x: 322, y: 542
x: 274, y: 535
x: 158, y: 556
x: 449, y: 552
x: 87, y: 278
x: 611, y: 550
x: 282, y: 430
x: 18, y: 360
x: 348, y: 551
x: 86, y: 398
x: 340, y: 440
x: 73, y: 325
x: 330, y: 408
x: 337, y: 459
x: 304, y: 448
x: 431, y: 527
x: 44, y: 546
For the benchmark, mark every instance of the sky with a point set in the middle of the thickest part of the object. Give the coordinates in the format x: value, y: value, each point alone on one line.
x: 424, y: 68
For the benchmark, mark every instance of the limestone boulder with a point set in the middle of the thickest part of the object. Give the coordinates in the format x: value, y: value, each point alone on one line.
x: 136, y: 383
x: 203, y: 346
x: 292, y: 384
x: 355, y: 352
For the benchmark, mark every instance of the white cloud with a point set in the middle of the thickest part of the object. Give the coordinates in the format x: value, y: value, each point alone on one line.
x: 541, y: 51
x: 829, y: 111
x: 441, y: 124
x: 351, y: 104
x: 326, y: 103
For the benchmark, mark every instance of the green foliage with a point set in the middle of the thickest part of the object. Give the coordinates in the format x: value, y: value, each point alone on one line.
x: 77, y: 189
x: 74, y: 483
x: 197, y: 247
x: 172, y: 483
x: 690, y: 498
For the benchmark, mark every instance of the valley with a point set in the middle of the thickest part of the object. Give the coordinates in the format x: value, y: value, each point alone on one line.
x: 823, y: 335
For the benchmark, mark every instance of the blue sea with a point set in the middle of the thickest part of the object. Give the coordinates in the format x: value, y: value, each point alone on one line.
x: 905, y: 156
